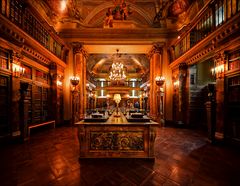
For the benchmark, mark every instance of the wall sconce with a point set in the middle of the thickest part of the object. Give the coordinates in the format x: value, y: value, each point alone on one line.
x: 74, y: 81
x: 218, y: 71
x: 17, y: 70
x: 160, y: 80
x: 145, y: 95
x: 176, y: 83
x: 59, y: 83
x: 91, y: 95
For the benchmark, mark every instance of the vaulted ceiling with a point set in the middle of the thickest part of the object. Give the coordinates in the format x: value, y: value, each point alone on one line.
x: 152, y: 20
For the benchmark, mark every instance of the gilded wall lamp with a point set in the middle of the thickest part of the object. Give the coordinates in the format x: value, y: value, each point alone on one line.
x: 74, y: 80
x: 17, y: 70
x: 218, y: 71
x: 160, y: 80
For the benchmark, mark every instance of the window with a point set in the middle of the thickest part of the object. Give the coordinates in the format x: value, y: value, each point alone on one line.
x: 219, y: 13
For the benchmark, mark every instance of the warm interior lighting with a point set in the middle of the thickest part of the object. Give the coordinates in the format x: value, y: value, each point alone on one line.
x: 217, y: 70
x: 63, y: 5
x: 59, y: 83
x: 176, y: 83
x: 17, y: 70
x: 117, y: 99
x: 117, y: 72
x: 160, y: 80
x: 74, y: 80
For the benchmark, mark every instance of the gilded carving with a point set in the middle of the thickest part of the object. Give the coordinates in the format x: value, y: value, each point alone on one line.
x: 117, y: 140
x: 156, y: 48
x: 78, y: 48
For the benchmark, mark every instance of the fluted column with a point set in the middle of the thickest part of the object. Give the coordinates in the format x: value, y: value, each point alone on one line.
x: 80, y: 57
x: 155, y: 57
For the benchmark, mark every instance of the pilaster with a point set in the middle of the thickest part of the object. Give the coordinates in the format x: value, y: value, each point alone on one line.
x: 180, y: 96
x: 220, y: 59
x: 155, y: 56
x: 15, y: 126
x: 79, y: 65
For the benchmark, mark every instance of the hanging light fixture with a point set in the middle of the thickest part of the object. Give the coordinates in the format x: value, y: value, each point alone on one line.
x: 117, y: 71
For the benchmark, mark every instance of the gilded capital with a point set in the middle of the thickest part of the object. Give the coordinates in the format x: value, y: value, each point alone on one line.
x: 157, y: 48
x: 78, y: 48
x: 221, y: 56
x: 16, y: 56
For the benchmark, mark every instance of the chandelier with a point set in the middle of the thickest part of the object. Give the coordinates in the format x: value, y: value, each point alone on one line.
x: 117, y: 72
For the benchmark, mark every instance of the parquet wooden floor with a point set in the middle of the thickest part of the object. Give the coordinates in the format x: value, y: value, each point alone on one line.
x: 183, y: 157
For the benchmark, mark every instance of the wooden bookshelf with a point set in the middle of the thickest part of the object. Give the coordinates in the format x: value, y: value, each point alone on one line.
x: 4, y: 59
x: 233, y: 108
x: 37, y: 97
x: 4, y: 105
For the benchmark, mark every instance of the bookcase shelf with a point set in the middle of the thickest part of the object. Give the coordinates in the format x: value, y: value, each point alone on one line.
x: 233, y: 108
x: 37, y: 97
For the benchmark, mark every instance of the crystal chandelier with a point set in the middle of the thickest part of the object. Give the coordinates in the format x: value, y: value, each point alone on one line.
x: 117, y: 72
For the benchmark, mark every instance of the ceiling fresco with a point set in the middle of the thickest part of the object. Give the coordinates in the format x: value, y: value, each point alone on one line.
x: 65, y: 15
x: 135, y: 65
x: 88, y: 14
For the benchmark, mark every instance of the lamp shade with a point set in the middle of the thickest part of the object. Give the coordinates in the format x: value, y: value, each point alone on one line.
x: 117, y: 98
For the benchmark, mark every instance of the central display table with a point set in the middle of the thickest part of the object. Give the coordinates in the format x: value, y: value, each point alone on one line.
x: 116, y: 138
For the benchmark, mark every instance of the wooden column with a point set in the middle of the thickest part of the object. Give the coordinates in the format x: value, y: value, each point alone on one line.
x: 15, y: 96
x: 220, y: 59
x: 23, y: 111
x: 53, y: 93
x: 80, y: 57
x: 183, y: 94
x: 155, y: 57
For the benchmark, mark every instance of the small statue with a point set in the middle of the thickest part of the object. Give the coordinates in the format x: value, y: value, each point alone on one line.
x: 158, y: 17
x: 108, y: 21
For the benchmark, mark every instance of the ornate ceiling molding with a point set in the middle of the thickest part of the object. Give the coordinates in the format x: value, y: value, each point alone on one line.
x: 107, y: 5
x: 36, y: 55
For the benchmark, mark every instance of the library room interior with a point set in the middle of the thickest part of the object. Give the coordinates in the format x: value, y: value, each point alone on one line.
x: 119, y: 92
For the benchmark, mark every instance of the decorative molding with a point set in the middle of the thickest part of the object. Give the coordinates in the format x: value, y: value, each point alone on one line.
x: 226, y: 31
x: 78, y: 48
x: 118, y: 140
x: 36, y: 55
x: 220, y: 56
x: 6, y: 30
x: 200, y: 55
x: 107, y: 5
x: 157, y: 48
